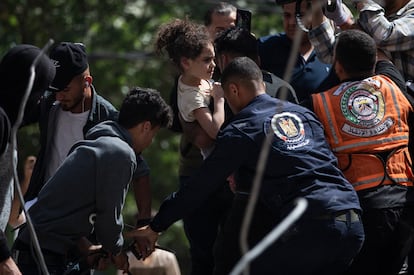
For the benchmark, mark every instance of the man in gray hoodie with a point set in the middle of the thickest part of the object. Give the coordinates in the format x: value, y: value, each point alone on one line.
x: 87, y: 192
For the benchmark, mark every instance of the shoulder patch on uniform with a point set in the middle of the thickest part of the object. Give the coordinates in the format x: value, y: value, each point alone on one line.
x: 289, y: 128
x: 363, y: 107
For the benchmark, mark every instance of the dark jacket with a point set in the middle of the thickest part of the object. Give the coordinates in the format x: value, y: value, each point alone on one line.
x: 101, y: 110
x: 300, y: 164
x: 307, y: 75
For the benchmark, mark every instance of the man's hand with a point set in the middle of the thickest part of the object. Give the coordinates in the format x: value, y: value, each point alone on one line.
x: 121, y: 261
x: 232, y: 183
x: 217, y: 91
x: 9, y: 267
x: 94, y: 254
x: 359, y: 4
x: 145, y: 239
x: 97, y: 258
x: 336, y: 12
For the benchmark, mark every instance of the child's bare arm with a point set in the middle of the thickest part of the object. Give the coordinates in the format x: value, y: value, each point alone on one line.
x: 196, y: 134
x: 209, y: 121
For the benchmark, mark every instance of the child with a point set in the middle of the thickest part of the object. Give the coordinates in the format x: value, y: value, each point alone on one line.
x: 190, y: 48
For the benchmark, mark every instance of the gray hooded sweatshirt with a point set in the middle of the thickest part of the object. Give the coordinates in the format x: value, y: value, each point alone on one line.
x: 87, y: 193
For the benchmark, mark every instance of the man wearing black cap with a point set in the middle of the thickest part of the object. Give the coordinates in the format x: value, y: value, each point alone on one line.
x: 67, y: 113
x: 14, y: 77
x: 87, y: 192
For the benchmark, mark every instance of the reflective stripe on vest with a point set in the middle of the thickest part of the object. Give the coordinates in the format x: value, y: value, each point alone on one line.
x: 362, y: 119
x: 367, y: 170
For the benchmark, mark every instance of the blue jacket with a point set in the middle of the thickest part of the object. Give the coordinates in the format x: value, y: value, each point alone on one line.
x: 91, y: 184
x: 101, y: 110
x: 300, y: 164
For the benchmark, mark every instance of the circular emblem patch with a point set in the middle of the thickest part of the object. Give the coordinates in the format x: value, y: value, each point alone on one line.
x: 362, y: 105
x: 289, y: 128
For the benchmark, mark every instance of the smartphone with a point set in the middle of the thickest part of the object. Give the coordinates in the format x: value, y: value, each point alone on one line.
x: 244, y: 19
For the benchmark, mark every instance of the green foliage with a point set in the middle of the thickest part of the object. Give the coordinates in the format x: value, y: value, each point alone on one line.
x: 119, y: 37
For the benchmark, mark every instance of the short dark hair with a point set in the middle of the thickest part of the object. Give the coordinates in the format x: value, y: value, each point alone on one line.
x: 356, y: 51
x: 222, y: 8
x: 144, y: 104
x: 237, y: 41
x: 241, y: 69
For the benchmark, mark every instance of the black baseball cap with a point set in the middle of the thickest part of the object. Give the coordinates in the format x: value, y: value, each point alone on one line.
x: 70, y: 60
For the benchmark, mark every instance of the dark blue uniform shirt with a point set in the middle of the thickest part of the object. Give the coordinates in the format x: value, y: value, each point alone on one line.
x: 300, y: 164
x: 307, y: 75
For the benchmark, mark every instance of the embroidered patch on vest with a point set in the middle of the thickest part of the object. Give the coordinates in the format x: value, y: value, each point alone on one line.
x: 364, y: 108
x: 289, y: 128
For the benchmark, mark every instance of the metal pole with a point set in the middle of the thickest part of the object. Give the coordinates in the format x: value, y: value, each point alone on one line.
x: 15, y: 128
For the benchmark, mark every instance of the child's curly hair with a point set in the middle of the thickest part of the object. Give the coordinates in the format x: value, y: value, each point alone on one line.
x: 182, y: 38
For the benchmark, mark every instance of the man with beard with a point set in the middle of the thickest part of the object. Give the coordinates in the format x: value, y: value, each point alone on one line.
x: 66, y: 112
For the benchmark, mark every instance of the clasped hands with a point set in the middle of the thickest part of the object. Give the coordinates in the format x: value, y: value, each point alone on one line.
x: 145, y: 239
x: 99, y: 259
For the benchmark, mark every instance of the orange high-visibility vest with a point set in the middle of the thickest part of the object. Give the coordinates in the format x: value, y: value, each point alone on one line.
x: 363, y: 119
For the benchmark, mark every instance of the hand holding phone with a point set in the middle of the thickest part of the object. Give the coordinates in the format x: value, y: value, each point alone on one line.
x: 244, y: 19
